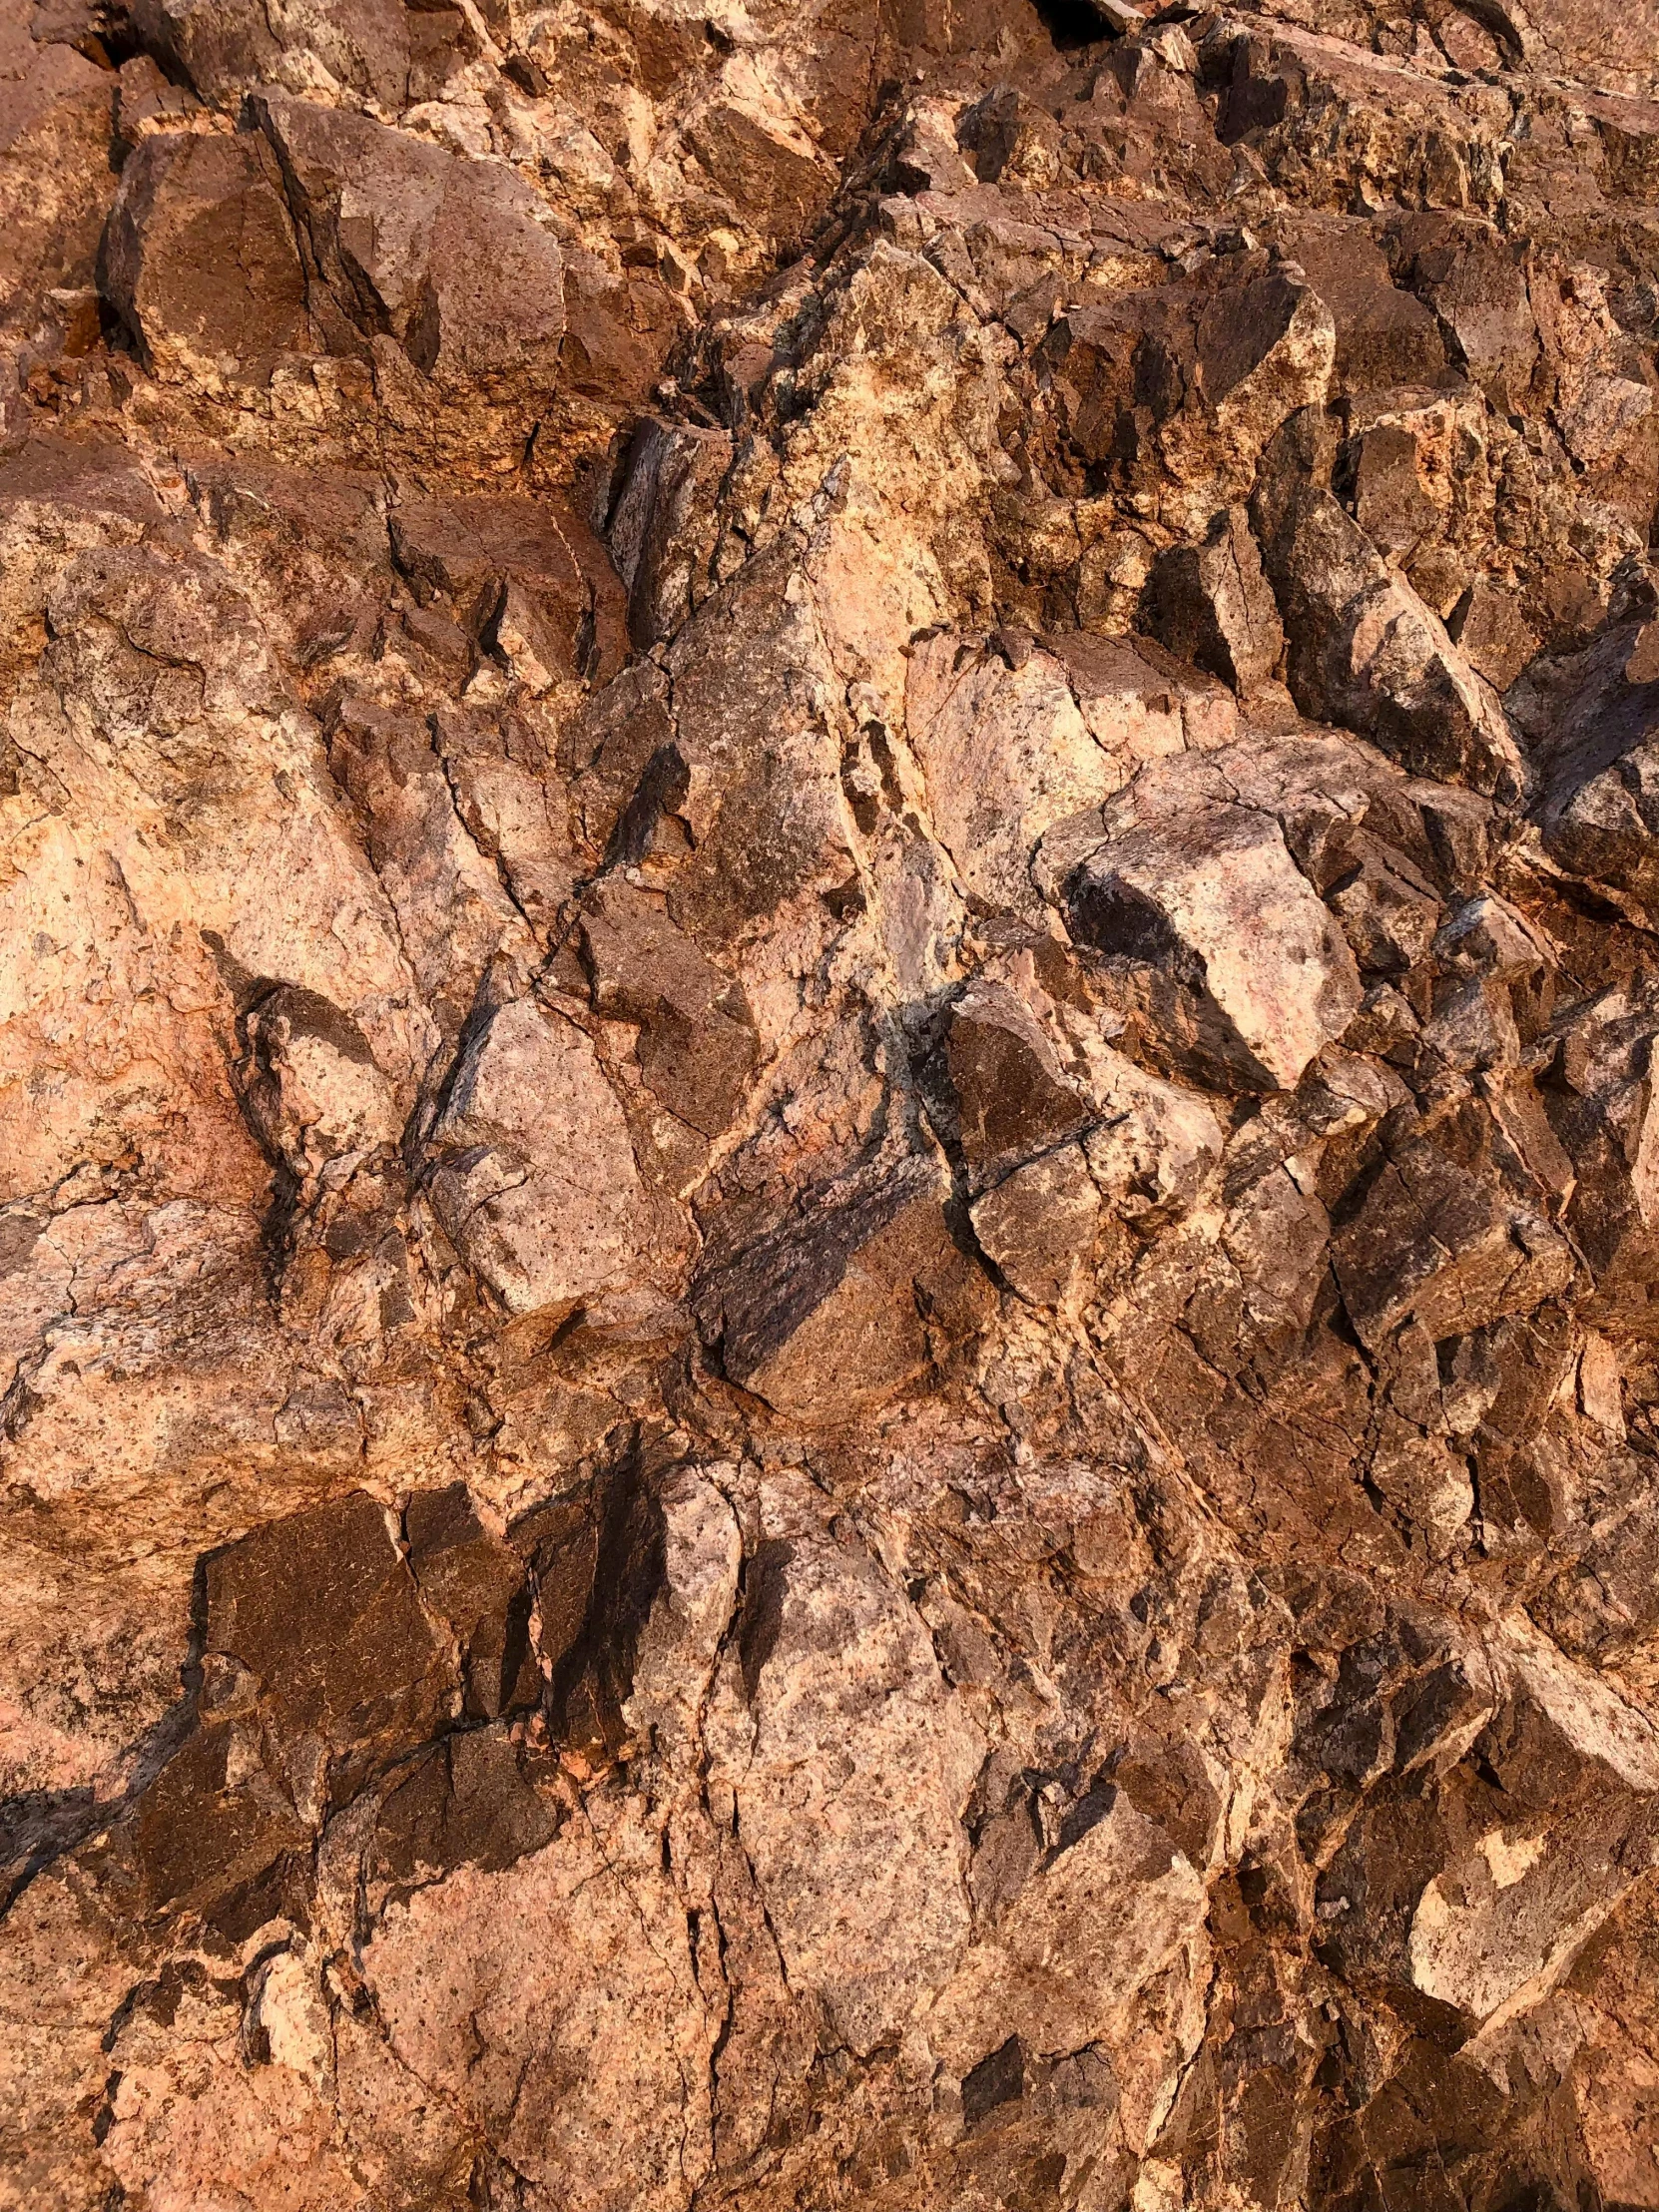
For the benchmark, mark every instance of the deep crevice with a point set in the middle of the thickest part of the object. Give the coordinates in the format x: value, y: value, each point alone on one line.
x: 1072, y: 24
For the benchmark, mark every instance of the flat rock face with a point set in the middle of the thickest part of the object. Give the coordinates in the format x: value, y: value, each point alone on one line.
x: 828, y: 1159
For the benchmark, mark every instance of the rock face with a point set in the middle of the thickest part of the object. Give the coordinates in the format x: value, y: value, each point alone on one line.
x: 828, y: 1154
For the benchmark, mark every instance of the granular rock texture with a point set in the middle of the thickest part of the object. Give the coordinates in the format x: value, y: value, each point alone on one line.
x: 829, y: 1139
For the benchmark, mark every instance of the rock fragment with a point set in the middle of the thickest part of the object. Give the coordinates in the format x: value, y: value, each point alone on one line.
x: 201, y: 261
x: 1212, y: 605
x: 1215, y: 904
x: 532, y: 1173
x: 450, y: 258
x: 828, y: 1319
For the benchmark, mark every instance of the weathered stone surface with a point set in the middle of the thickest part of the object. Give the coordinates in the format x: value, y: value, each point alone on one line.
x: 1212, y: 605
x: 829, y: 1173
x: 1037, y: 1225
x: 452, y: 258
x: 527, y: 563
x: 1210, y: 896
x: 572, y: 1972
x: 56, y: 183
x: 1590, y: 719
x: 1432, y: 1245
x: 828, y: 1319
x: 831, y: 1711
x: 697, y: 1046
x: 1011, y: 1094
x: 1366, y: 651
x: 200, y: 259
x: 532, y: 1173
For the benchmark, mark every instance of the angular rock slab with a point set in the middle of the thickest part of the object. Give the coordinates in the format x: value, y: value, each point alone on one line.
x: 532, y: 1173
x: 1216, y: 898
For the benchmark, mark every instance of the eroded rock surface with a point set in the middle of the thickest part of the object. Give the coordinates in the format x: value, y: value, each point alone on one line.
x: 829, y: 1165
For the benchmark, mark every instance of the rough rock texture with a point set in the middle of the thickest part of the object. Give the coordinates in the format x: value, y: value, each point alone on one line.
x: 828, y: 1154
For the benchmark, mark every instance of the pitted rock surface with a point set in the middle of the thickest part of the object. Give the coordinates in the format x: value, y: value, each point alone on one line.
x: 829, y: 1158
